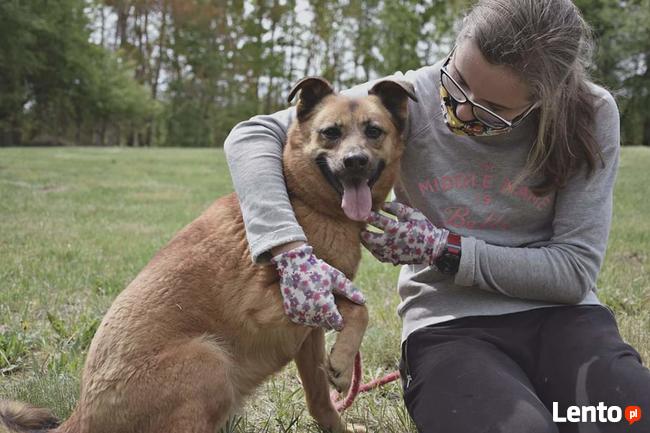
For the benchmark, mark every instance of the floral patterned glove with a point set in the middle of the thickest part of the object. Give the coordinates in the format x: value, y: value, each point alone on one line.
x: 308, y: 285
x: 411, y: 239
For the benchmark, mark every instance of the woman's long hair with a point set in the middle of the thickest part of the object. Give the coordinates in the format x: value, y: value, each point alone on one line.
x: 548, y: 44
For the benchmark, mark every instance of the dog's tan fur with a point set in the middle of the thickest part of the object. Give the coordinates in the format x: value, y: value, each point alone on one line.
x: 202, y: 326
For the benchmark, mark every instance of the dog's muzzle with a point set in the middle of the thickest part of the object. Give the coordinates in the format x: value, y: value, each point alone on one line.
x: 353, y: 182
x: 324, y: 167
x: 355, y: 171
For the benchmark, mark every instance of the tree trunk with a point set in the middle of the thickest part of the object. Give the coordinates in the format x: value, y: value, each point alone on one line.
x: 269, y: 93
x: 102, y: 24
x: 121, y: 33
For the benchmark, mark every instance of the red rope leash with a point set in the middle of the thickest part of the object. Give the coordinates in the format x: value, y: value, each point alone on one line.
x: 356, y: 388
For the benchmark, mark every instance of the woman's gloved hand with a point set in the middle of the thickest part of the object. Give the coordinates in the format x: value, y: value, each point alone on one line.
x: 411, y: 239
x: 308, y: 285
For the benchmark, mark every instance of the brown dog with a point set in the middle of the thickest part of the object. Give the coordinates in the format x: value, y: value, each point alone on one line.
x: 202, y: 326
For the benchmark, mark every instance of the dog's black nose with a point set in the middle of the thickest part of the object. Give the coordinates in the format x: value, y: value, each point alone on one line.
x: 356, y: 160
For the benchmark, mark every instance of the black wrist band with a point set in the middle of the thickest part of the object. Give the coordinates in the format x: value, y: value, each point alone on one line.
x: 449, y: 260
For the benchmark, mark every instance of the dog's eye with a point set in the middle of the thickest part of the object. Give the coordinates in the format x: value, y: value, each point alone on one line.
x: 373, y: 132
x: 332, y: 133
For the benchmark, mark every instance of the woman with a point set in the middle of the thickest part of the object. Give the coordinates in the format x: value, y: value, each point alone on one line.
x: 513, y: 180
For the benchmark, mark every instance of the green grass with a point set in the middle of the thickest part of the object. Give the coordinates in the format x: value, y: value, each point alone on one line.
x: 77, y: 224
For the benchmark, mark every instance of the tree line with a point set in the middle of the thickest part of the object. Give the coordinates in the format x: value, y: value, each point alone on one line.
x: 184, y: 72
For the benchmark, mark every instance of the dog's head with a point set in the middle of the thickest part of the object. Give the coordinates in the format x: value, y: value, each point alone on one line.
x: 346, y: 150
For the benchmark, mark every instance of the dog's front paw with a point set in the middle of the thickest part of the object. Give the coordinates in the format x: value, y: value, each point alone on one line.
x: 346, y: 427
x: 339, y: 369
x: 354, y: 428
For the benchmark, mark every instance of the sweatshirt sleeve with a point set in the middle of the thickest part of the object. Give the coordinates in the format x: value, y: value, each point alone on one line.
x: 254, y: 153
x: 565, y: 268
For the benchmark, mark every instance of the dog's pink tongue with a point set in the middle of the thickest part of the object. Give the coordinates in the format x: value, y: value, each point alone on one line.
x: 357, y: 201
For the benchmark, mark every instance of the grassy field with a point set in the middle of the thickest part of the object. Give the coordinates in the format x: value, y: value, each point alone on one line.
x: 77, y: 224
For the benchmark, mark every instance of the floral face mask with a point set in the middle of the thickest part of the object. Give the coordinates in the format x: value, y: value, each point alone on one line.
x: 472, y: 128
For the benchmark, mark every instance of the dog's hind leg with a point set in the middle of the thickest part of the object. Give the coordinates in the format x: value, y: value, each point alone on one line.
x: 340, y: 362
x: 191, y: 417
x: 194, y: 383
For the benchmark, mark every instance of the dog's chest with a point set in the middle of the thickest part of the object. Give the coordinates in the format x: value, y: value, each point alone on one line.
x: 334, y: 240
x: 336, y: 245
x: 265, y: 353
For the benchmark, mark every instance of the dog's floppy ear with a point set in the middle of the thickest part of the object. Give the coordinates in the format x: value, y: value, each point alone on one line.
x: 394, y: 94
x: 312, y: 90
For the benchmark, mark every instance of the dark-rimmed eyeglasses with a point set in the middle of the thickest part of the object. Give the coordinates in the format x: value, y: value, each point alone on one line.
x: 483, y: 114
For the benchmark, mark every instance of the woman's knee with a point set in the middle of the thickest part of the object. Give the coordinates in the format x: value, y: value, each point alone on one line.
x: 470, y: 386
x: 505, y: 416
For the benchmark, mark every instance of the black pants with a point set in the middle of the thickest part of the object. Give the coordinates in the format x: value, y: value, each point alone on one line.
x: 489, y: 374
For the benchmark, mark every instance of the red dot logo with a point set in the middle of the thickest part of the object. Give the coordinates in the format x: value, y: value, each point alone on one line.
x: 632, y: 414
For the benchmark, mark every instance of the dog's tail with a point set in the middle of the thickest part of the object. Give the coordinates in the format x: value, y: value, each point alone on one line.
x: 16, y: 417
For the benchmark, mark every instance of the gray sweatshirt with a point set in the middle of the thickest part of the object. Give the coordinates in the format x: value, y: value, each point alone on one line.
x: 519, y: 251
